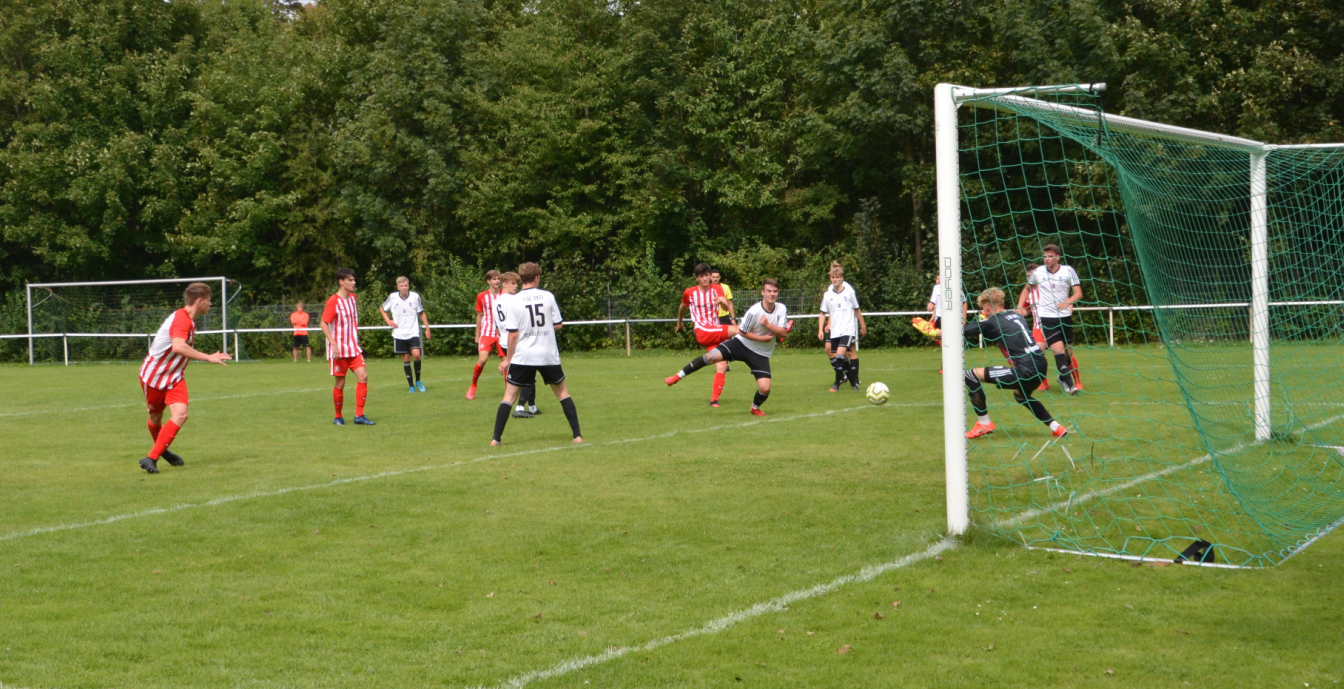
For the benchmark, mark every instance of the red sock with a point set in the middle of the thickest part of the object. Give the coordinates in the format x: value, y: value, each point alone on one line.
x: 154, y: 430
x: 476, y: 374
x: 361, y: 393
x: 165, y: 439
x: 718, y: 385
x: 338, y: 398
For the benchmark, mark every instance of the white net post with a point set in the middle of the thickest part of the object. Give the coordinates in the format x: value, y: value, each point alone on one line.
x: 29, y: 289
x: 224, y: 315
x: 1260, y: 294
x: 949, y: 266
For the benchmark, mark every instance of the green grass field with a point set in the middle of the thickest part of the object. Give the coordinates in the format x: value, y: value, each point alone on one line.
x: 681, y: 546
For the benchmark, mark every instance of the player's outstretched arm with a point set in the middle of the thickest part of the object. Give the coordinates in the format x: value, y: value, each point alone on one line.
x: 181, y: 348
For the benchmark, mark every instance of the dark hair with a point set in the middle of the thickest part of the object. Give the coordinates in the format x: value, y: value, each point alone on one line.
x: 344, y: 273
x: 769, y: 282
x: 716, y: 270
x: 702, y: 269
x: 1052, y: 248
x: 1031, y: 267
x: 196, y: 291
x: 529, y: 272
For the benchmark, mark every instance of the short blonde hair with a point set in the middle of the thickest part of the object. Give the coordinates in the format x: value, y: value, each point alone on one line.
x: 992, y: 296
x: 510, y: 277
x: 837, y: 268
x: 403, y: 278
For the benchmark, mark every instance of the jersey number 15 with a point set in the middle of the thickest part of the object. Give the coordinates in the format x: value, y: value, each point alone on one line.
x: 537, y: 315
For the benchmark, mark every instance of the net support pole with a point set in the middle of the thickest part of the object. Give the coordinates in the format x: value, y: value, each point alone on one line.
x: 627, y: 337
x: 29, y: 289
x: 1260, y: 294
x: 224, y: 314
x: 949, y: 266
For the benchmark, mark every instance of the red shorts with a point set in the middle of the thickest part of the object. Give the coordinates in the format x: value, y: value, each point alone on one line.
x: 156, y: 400
x: 487, y: 343
x: 340, y: 365
x: 711, y: 337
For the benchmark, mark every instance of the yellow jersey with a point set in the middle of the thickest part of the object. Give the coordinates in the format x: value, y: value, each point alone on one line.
x: 727, y: 294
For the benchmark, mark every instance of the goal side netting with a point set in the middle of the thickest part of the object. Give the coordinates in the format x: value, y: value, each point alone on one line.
x: 1210, y: 425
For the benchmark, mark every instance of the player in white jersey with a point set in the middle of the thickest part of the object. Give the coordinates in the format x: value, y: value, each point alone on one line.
x: 405, y: 306
x: 162, y: 375
x: 766, y: 322
x: 1057, y: 290
x: 527, y: 396
x: 531, y: 318
x: 840, y: 324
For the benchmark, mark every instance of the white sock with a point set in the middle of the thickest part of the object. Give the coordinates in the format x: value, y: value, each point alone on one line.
x: 1054, y: 425
x: 681, y: 374
x: 983, y: 418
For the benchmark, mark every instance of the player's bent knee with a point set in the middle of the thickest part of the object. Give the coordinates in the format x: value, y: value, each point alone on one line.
x: 972, y: 379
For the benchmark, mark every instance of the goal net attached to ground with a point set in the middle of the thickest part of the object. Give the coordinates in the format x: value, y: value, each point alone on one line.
x: 1211, y: 422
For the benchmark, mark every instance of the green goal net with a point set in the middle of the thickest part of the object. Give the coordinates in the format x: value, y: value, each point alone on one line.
x: 1210, y: 422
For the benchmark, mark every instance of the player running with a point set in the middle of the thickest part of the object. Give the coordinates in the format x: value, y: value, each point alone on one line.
x: 299, y: 319
x: 405, y: 305
x: 1008, y: 330
x: 486, y: 328
x: 764, y: 323
x: 842, y: 320
x: 704, y: 300
x: 340, y: 325
x: 531, y: 318
x: 162, y: 374
x: 1058, y: 289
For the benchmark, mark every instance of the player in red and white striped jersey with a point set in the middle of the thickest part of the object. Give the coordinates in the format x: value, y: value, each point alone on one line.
x: 486, y: 332
x: 340, y: 323
x: 162, y: 374
x: 704, y: 301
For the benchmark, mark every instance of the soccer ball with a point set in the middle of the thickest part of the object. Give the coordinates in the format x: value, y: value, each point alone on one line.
x: 878, y: 393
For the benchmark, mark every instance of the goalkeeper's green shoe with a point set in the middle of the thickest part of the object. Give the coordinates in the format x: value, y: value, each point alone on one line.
x: 362, y: 420
x: 172, y: 458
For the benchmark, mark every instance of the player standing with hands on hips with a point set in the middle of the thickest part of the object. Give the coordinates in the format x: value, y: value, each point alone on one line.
x: 340, y: 324
x: 531, y: 318
x: 162, y: 374
x: 405, y: 306
x: 1058, y: 289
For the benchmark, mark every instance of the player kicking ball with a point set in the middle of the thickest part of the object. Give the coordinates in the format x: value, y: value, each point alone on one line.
x: 705, y: 300
x: 765, y: 323
x: 1008, y: 330
x: 340, y: 324
x: 162, y: 375
x: 531, y: 318
x: 405, y: 306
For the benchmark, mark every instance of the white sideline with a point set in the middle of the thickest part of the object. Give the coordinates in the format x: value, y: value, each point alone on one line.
x: 402, y: 472
x: 777, y: 604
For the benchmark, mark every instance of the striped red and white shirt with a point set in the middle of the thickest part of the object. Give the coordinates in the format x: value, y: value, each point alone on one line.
x: 162, y: 368
x: 485, y: 305
x: 704, y: 310
x: 343, y: 318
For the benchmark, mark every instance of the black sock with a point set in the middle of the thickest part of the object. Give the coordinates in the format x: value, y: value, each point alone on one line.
x: 976, y: 392
x: 501, y: 418
x: 417, y: 369
x: 1062, y: 363
x: 530, y: 395
x: 406, y: 366
x: 571, y: 414
x: 838, y: 363
x: 759, y: 399
x: 854, y: 370
x: 1035, y: 406
x: 696, y: 364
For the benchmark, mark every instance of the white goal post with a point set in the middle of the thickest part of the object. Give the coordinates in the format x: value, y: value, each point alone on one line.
x: 51, y: 287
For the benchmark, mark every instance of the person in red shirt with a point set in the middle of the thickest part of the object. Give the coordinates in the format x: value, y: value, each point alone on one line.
x: 162, y: 375
x: 299, y: 319
x: 340, y: 324
x: 704, y: 301
x: 487, y: 336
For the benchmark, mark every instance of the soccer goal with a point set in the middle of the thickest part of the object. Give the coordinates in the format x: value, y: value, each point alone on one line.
x: 114, y: 321
x: 1210, y: 426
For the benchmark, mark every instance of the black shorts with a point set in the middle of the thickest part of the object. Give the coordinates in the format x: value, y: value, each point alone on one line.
x: 1058, y: 330
x: 737, y: 350
x: 847, y: 342
x: 301, y: 341
x: 1025, y: 377
x: 938, y: 323
x: 725, y: 320
x: 405, y: 346
x: 523, y: 375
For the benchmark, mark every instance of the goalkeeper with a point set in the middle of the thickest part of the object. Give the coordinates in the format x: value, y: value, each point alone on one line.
x: 1010, y: 332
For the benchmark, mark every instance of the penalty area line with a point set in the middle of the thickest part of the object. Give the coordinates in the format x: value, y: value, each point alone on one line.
x: 398, y: 472
x: 777, y: 604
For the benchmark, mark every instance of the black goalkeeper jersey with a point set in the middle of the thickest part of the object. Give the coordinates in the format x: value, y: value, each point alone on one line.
x: 1008, y: 330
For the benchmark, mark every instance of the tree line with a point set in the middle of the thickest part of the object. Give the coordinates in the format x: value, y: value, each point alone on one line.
x: 617, y: 143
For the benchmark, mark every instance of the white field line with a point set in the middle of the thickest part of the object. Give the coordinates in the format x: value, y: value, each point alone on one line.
x: 714, y: 626
x: 289, y: 391
x: 403, y: 472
